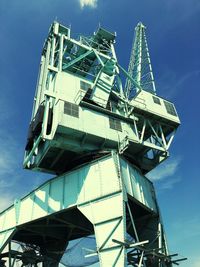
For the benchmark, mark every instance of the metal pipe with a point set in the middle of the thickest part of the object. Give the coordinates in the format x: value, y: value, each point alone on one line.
x: 60, y: 53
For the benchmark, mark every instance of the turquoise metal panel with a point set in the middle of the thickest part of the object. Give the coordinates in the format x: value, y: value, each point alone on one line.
x: 138, y: 186
x: 85, y: 73
x: 98, y: 182
x: 102, y: 89
x: 101, y: 180
x: 8, y: 219
x: 82, y: 185
x: 108, y: 217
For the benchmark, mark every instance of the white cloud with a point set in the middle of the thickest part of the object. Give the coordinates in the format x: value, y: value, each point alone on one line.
x: 166, y: 169
x: 14, y: 181
x: 169, y: 183
x: 166, y: 173
x: 88, y: 3
x: 172, y: 85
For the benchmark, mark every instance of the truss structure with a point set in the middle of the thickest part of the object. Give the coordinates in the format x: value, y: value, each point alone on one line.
x: 120, y: 201
x: 100, y: 140
x: 140, y: 68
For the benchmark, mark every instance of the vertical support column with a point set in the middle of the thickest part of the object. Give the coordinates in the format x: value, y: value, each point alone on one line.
x: 38, y: 87
x: 139, y: 63
x: 159, y: 241
x: 45, y: 72
x: 60, y: 52
x: 149, y: 62
x: 52, y: 252
x: 102, y: 202
x: 9, y: 253
x: 108, y: 217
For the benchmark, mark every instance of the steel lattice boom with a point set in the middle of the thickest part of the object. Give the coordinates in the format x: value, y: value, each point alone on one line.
x: 140, y: 65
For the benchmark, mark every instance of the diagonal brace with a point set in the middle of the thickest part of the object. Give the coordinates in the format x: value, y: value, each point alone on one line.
x: 77, y: 59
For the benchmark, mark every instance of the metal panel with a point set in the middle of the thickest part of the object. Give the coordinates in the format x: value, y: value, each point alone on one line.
x: 5, y: 237
x: 101, y: 180
x: 84, y: 184
x: 103, y: 209
x: 108, y: 216
x: 145, y: 101
x: 89, y: 183
x: 67, y: 86
x: 102, y: 89
x: 137, y: 185
x: 117, y: 254
x: 10, y: 220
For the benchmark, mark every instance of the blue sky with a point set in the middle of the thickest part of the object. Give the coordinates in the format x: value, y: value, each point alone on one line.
x: 173, y: 32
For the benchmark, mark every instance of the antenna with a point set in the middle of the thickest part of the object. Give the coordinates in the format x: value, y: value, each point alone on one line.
x: 140, y: 64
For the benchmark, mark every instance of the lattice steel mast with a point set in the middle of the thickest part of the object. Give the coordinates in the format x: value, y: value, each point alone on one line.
x: 140, y: 65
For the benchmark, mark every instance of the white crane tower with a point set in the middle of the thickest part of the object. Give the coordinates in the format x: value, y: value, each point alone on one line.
x: 100, y: 139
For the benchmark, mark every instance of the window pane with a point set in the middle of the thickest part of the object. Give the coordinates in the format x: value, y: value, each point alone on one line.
x: 71, y: 109
x: 84, y: 86
x: 115, y: 124
x: 170, y: 108
x: 156, y: 100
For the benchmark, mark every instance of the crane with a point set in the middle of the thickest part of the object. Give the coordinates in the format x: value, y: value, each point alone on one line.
x: 99, y: 140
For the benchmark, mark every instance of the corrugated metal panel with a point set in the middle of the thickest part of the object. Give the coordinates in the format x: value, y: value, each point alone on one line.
x: 97, y: 190
x: 138, y: 185
x: 92, y: 181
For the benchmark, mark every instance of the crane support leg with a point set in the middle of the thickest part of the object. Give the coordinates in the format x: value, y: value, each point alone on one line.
x: 107, y: 215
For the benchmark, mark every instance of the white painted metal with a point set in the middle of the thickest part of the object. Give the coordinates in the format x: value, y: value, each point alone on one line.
x: 99, y: 190
x: 86, y: 75
x: 144, y: 101
x: 107, y: 215
x: 137, y: 185
x: 5, y: 237
x: 86, y: 116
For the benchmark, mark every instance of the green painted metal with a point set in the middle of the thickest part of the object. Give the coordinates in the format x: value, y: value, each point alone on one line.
x: 100, y: 190
x: 129, y: 77
x: 82, y: 112
x: 17, y: 204
x: 65, y: 66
